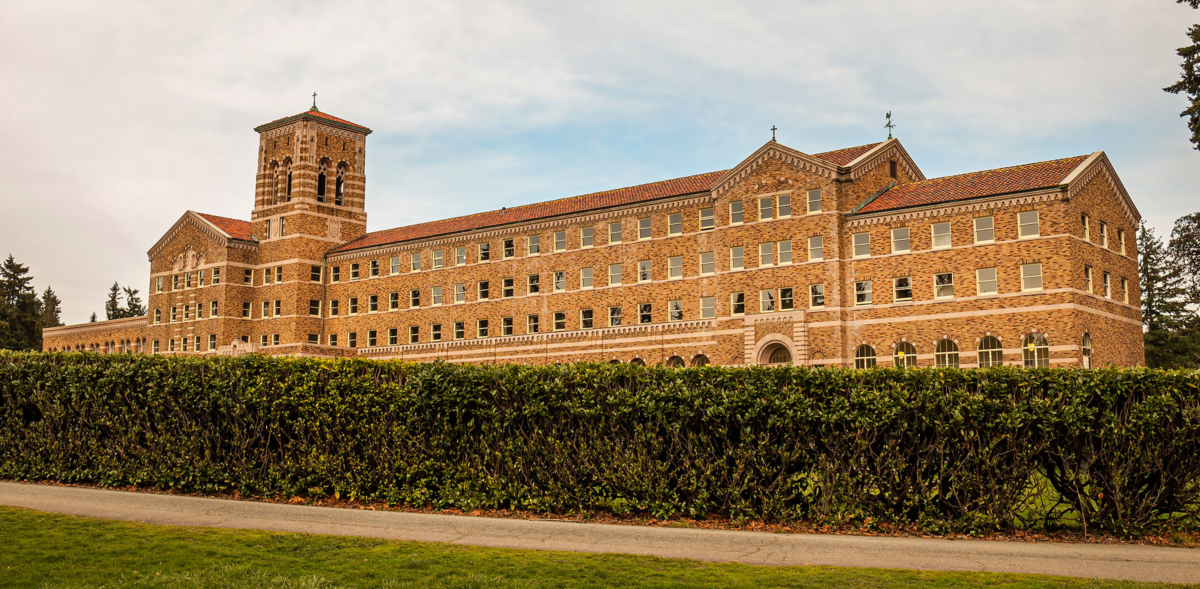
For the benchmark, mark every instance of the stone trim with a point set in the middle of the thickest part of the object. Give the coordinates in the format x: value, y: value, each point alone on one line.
x: 1098, y: 163
x: 889, y: 150
x: 973, y: 205
x: 224, y: 239
x: 109, y: 325
x: 773, y: 150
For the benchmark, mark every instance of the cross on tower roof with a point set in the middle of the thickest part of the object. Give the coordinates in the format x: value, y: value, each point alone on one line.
x: 314, y: 106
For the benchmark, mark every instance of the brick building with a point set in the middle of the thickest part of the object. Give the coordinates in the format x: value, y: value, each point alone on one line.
x: 843, y: 258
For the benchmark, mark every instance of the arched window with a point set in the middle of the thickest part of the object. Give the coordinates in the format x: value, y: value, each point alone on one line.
x: 1087, y: 350
x: 321, y: 182
x: 780, y: 355
x: 990, y: 352
x: 638, y: 362
x: 1036, y: 351
x: 905, y: 355
x: 946, y: 354
x: 864, y: 357
x: 700, y: 360
x: 340, y: 189
x: 289, y: 181
x: 675, y: 362
x: 272, y: 184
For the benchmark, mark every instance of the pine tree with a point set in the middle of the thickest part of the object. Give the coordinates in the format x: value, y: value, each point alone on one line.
x: 51, y: 309
x: 1184, y: 249
x: 133, y: 303
x: 20, y: 309
x: 1189, y: 84
x: 112, y: 307
x: 93, y: 319
x: 1164, y: 310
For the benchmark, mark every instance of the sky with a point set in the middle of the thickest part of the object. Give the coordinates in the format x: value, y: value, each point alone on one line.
x: 121, y: 116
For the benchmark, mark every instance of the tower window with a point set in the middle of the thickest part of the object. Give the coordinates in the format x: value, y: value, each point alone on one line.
x: 340, y: 189
x: 892, y: 168
x: 321, y: 183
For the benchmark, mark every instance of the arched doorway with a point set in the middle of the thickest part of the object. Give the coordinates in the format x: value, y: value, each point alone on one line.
x: 774, y: 350
x: 699, y: 360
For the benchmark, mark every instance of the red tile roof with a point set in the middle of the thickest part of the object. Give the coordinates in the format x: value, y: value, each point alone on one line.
x: 314, y: 113
x: 843, y: 157
x: 562, y: 206
x: 974, y: 185
x: 236, y: 228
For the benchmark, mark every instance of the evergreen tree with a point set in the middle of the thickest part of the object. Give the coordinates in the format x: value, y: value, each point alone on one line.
x: 93, y: 319
x: 112, y: 307
x: 133, y: 303
x: 51, y: 309
x: 1189, y: 84
x: 1185, y: 253
x: 1164, y: 310
x: 20, y: 309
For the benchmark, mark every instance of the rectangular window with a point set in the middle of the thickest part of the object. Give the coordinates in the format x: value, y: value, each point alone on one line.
x: 436, y: 295
x: 187, y: 312
x: 985, y: 230
x: 460, y: 329
x: 674, y: 224
x: 785, y: 205
x: 279, y: 274
x: 785, y: 252
x: 414, y: 299
x: 266, y: 309
x: 985, y: 278
x: 708, y: 263
x: 560, y: 241
x: 414, y: 334
x: 766, y: 254
x: 1120, y: 247
x: 212, y: 309
x: 560, y: 321
x: 560, y: 281
x: 943, y: 285
x: 816, y: 248
x: 708, y: 220
x: 645, y: 313
x: 414, y: 262
x: 157, y: 316
x: 535, y: 245
x: 275, y: 337
x: 246, y: 309
x: 187, y: 282
x: 460, y: 255
x: 393, y: 336
x: 862, y: 292
x: 372, y: 338
x: 1125, y: 291
x: 266, y: 276
x: 900, y: 241
x: 1107, y: 285
x: 315, y: 274
x: 737, y: 303
x: 393, y: 301
x: 481, y: 328
x: 901, y: 289
x: 268, y: 236
x: 460, y: 293
x: 201, y: 278
x: 735, y: 213
x: 510, y: 248
x: 814, y: 201
x: 644, y: 274
x: 531, y: 324
x: 373, y: 303
x: 1085, y: 223
x: 1031, y: 277
x: 736, y: 258
x: 765, y: 207
x: 862, y: 244
x: 509, y: 288
x: 248, y: 276
x: 614, y: 274
x: 333, y: 308
x: 374, y: 268
x: 216, y: 273
x: 484, y: 290
x: 766, y: 300
x: 437, y: 258
x: 212, y: 341
x: 941, y: 235
x: 1028, y: 224
x: 786, y: 299
x: 485, y: 252
x: 816, y: 296
x: 158, y: 282
x: 314, y: 307
x: 674, y: 310
x: 614, y: 232
x: 644, y: 228
x: 353, y: 305
x: 585, y: 319
x: 614, y: 316
x: 394, y: 265
x: 708, y: 307
x: 506, y: 326
x: 354, y: 271
x: 435, y: 332
x: 533, y: 284
x: 352, y: 339
x: 313, y: 338
x: 1104, y: 235
x: 333, y: 339
x: 675, y: 267
x: 1087, y: 279
x: 262, y: 339
x: 154, y: 346
x: 585, y: 278
x: 585, y: 237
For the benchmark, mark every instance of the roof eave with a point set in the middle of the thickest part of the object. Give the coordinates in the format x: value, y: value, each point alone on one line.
x: 935, y: 205
x: 308, y: 117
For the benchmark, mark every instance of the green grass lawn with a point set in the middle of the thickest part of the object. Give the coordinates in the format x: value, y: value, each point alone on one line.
x: 39, y: 550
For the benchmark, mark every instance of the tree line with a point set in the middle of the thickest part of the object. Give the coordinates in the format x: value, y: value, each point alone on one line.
x: 1170, y: 279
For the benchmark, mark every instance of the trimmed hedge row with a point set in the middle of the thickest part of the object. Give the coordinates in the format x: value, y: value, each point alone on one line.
x: 964, y: 449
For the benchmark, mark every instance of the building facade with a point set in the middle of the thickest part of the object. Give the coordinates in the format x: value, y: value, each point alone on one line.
x: 842, y: 258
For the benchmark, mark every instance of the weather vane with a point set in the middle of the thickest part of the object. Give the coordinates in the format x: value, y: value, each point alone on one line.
x: 890, y: 125
x: 314, y: 107
x: 773, y: 132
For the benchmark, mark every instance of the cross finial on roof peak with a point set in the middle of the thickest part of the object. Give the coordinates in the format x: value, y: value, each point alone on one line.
x: 773, y: 128
x: 314, y: 106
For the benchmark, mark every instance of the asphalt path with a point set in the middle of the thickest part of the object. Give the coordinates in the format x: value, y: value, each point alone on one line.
x: 1106, y: 561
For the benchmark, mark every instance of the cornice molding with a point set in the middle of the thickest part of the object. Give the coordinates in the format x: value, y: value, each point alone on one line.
x: 110, y: 325
x: 955, y: 208
x: 1096, y: 164
x: 887, y: 151
x: 773, y: 150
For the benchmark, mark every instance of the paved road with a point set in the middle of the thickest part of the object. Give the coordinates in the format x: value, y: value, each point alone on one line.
x: 1141, y: 563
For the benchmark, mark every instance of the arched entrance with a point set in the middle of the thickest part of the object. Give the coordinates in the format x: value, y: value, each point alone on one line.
x: 774, y: 350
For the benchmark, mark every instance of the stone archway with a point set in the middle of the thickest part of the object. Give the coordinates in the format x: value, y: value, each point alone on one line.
x: 773, y: 350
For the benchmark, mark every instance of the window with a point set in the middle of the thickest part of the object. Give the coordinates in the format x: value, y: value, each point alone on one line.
x: 315, y: 274
x: 814, y: 201
x: 816, y: 296
x: 708, y: 307
x: 674, y: 310
x: 414, y: 334
x: 262, y: 340
x: 585, y: 278
x: 187, y: 312
x: 154, y: 346
x: 990, y: 352
x: 1087, y: 278
x: 1125, y: 291
x: 481, y: 328
x: 393, y: 336
x: 864, y: 357
x: 333, y: 339
x: 644, y: 228
x: 645, y: 312
x: 614, y: 274
x: 414, y: 299
x: 905, y: 355
x: 560, y: 281
x: 509, y: 288
x: 531, y: 324
x: 535, y: 245
x: 675, y: 267
x: 736, y: 261
x: 266, y: 310
x: 900, y: 240
x: 892, y: 169
x: 943, y: 285
x: 414, y: 262
x: 862, y: 292
x: 614, y: 316
x: 201, y: 278
x: 485, y: 252
x: 585, y: 237
x: 560, y: 321
x: 248, y: 276
x: 902, y: 289
x: 460, y: 293
x: 394, y: 265
x: 766, y: 254
x: 352, y: 339
x: 1107, y: 285
x: 266, y: 276
x: 314, y: 307
x: 158, y: 282
x: 675, y: 224
x: 1120, y: 247
x: 460, y: 255
x: 246, y: 309
x: 354, y: 271
x: 506, y: 326
x: 862, y: 244
x: 460, y: 329
x: 436, y: 295
x: 737, y: 303
x: 735, y: 213
x: 373, y: 304
x: 941, y: 235
x: 644, y: 274
x: 560, y: 241
x: 708, y: 263
x: 372, y: 338
x: 1036, y: 351
x: 785, y: 205
x: 1086, y: 348
x: 435, y: 332
x: 614, y: 232
x: 766, y: 300
x: 212, y: 309
x: 157, y: 316
x: 483, y: 290
x: 985, y: 230
x: 353, y: 305
x: 268, y: 236
x: 1031, y: 277
x: 374, y: 268
x: 816, y: 248
x: 945, y: 355
x: 585, y: 319
x: 532, y: 284
x: 1086, y: 225
x: 1027, y: 224
x: 985, y: 281
x: 1104, y: 235
x: 510, y: 248
x: 187, y: 283
x: 333, y: 308
x: 212, y: 341
x: 765, y: 208
x: 437, y: 258
x: 216, y: 273
x: 707, y: 220
x: 393, y: 301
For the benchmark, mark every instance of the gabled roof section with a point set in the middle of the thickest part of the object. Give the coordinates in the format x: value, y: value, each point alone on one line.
x: 564, y: 206
x: 235, y: 228
x: 313, y: 114
x: 221, y: 229
x: 1009, y: 180
x: 843, y: 157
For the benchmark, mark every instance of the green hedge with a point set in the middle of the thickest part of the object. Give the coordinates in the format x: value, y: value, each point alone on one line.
x: 965, y: 449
